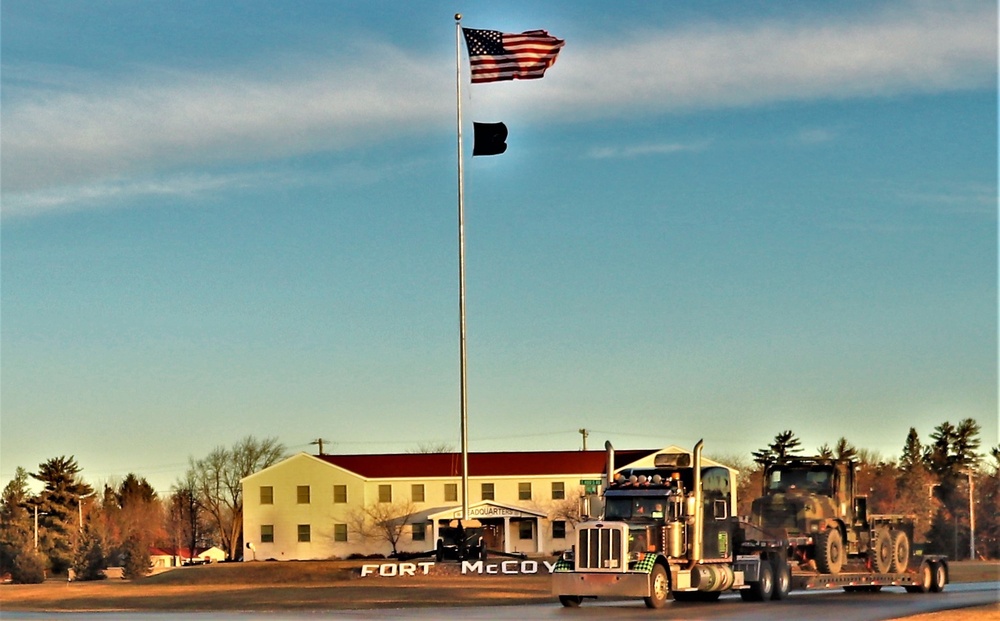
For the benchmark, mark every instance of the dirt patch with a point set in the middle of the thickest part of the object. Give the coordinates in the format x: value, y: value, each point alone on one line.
x: 978, y: 613
x: 329, y: 585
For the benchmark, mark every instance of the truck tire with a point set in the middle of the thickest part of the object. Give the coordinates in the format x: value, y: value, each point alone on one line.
x: 829, y: 551
x: 782, y: 582
x: 570, y: 601
x: 900, y: 552
x: 882, y: 550
x: 939, y: 577
x: 659, y: 587
x: 763, y: 589
x: 925, y: 575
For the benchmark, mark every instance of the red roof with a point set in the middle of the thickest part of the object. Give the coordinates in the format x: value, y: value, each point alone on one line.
x: 424, y: 465
x: 172, y: 551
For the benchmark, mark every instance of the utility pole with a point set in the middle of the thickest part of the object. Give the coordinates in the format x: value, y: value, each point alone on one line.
x: 584, y: 433
x: 972, y: 519
x: 320, y: 442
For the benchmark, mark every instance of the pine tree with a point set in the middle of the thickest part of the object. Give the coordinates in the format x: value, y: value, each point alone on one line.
x: 59, y: 502
x: 89, y: 561
x: 17, y: 554
x: 845, y: 450
x: 913, y: 452
x: 914, y: 486
x: 988, y: 514
x: 136, y: 558
x: 785, y: 443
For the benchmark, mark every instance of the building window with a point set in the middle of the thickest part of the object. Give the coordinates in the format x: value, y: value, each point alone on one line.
x: 558, y: 490
x: 524, y: 529
x: 488, y: 491
x: 340, y: 494
x: 417, y: 492
x: 451, y: 492
x: 304, y: 533
x: 418, y: 532
x: 302, y: 494
x: 385, y: 493
x: 524, y: 491
x: 266, y: 495
x: 340, y: 532
x: 558, y: 529
x: 267, y: 533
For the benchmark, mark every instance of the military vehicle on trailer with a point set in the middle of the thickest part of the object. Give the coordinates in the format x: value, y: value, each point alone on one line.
x: 813, y: 504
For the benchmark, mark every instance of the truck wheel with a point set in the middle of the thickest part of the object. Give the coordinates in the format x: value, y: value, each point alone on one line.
x: 926, y: 577
x: 782, y: 582
x: 882, y: 551
x: 829, y: 551
x: 763, y: 589
x: 570, y: 601
x: 659, y: 587
x: 939, y: 578
x: 900, y: 552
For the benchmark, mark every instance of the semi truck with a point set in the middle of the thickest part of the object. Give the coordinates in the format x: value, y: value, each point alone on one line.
x: 670, y: 531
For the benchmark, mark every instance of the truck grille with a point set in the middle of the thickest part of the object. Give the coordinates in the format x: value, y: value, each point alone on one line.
x: 601, y: 547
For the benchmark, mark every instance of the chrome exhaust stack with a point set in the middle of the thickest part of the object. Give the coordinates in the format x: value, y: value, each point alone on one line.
x: 699, y: 508
x: 611, y: 463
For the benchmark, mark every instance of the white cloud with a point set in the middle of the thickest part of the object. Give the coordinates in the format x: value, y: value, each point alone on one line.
x: 813, y: 135
x: 80, y: 135
x: 112, y: 193
x: 643, y: 150
x: 916, y: 49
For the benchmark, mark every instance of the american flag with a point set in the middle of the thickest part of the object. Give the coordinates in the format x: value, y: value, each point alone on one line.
x: 496, y: 56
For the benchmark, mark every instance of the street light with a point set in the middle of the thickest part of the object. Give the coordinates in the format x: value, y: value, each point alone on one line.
x: 79, y: 506
x: 36, y: 524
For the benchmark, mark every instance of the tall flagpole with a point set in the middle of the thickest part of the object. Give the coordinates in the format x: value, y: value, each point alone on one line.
x: 461, y: 272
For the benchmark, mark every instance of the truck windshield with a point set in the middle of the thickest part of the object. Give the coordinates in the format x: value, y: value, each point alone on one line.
x: 634, y: 508
x: 803, y: 480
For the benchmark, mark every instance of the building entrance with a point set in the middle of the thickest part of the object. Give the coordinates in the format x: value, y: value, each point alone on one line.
x: 493, y: 534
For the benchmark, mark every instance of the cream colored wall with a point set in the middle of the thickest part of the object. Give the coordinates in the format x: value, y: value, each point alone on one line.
x: 285, y: 514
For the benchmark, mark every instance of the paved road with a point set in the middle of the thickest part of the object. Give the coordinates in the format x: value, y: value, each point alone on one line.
x: 891, y: 603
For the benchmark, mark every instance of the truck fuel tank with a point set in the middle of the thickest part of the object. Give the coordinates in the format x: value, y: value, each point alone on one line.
x: 675, y: 546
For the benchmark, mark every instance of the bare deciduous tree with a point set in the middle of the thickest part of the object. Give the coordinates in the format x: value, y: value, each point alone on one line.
x: 382, y: 521
x: 433, y: 447
x: 217, y: 483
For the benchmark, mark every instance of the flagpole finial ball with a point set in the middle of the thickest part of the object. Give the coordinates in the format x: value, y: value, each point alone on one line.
x: 458, y: 17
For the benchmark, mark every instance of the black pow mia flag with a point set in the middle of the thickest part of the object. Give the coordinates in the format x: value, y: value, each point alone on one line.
x: 490, y: 139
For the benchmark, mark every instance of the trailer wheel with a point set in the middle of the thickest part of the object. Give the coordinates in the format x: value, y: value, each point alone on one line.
x: 900, y: 552
x: 829, y: 551
x: 782, y: 582
x: 659, y: 588
x: 570, y: 601
x: 926, y: 573
x: 763, y: 589
x: 940, y: 577
x: 882, y: 551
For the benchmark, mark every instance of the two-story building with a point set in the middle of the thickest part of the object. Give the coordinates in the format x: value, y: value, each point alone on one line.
x: 327, y: 506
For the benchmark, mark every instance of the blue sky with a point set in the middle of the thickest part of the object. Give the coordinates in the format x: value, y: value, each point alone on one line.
x: 714, y: 220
